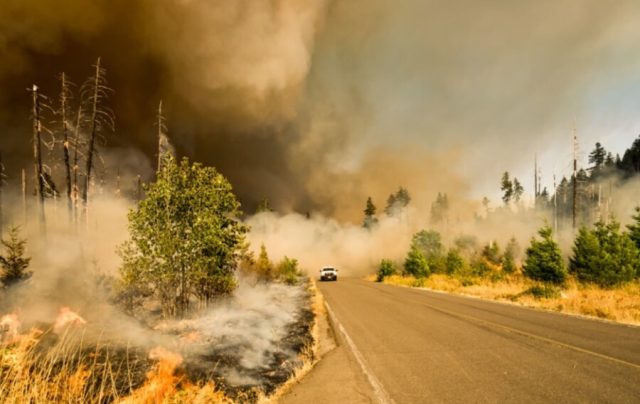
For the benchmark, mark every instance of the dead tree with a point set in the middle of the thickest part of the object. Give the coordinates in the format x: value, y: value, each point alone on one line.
x: 75, y: 190
x: 163, y: 141
x: 2, y: 182
x: 65, y: 97
x: 37, y: 148
x: 94, y: 93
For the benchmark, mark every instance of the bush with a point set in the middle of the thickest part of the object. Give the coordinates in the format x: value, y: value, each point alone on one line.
x: 385, y: 269
x: 604, y: 255
x: 511, y: 252
x: 491, y: 252
x: 288, y: 271
x: 416, y: 264
x: 480, y: 266
x: 544, y: 260
x: 454, y: 262
x: 429, y: 243
x: 14, y: 264
x: 542, y: 292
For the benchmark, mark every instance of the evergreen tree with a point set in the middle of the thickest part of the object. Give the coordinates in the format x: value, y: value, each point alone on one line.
x: 511, y: 253
x: 506, y: 186
x: 185, y: 238
x: 597, y: 157
x: 518, y: 190
x: 491, y: 252
x: 454, y: 263
x: 604, y: 255
x: 416, y: 264
x: 429, y: 244
x: 544, y: 260
x: 14, y: 264
x: 634, y: 228
x: 630, y: 162
x: 439, y: 208
x: 370, y: 219
x: 397, y: 202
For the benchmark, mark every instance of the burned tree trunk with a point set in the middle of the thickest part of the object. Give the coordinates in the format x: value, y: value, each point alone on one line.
x: 95, y: 91
x: 37, y: 150
x: 64, y: 105
x: 75, y: 189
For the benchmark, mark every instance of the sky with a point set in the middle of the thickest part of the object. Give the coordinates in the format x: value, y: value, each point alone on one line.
x: 317, y: 104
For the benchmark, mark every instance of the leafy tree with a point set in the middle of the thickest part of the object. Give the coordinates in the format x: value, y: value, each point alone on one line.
x: 544, y: 260
x: 634, y: 228
x: 604, y: 255
x: 416, y: 264
x: 185, y: 238
x: 288, y: 271
x: 14, y: 264
x: 429, y: 243
x: 386, y: 268
x: 506, y: 186
x: 370, y: 219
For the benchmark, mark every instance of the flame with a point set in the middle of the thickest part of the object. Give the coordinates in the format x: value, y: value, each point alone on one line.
x: 161, y: 380
x: 194, y: 336
x: 67, y: 318
x: 10, y: 325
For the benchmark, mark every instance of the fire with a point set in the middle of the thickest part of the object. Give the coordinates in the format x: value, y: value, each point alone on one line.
x: 10, y: 326
x: 66, y: 318
x: 161, y: 380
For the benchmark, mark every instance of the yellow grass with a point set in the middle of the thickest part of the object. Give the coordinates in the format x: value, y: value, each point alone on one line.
x: 621, y: 304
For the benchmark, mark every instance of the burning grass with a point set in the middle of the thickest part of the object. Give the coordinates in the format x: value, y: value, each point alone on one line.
x: 207, y: 360
x: 621, y: 304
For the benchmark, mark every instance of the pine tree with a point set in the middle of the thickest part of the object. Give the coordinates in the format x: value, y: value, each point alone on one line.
x: 511, y: 253
x: 544, y: 259
x: 385, y: 269
x: 439, y: 208
x: 14, y: 263
x: 429, y: 244
x: 264, y: 266
x: 518, y: 190
x: 597, y: 157
x: 604, y: 255
x: 506, y: 186
x: 634, y: 228
x: 370, y: 219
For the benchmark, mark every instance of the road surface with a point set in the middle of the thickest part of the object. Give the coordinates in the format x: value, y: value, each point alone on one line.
x: 407, y: 345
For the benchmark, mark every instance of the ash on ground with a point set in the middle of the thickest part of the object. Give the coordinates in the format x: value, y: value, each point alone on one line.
x: 251, y: 343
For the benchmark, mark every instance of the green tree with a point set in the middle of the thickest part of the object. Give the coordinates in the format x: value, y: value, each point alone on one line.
x: 597, y: 157
x: 416, y: 264
x: 506, y: 186
x: 454, y: 262
x: 544, y: 260
x: 184, y: 237
x: 370, y: 219
x: 491, y: 252
x: 14, y: 263
x: 288, y: 271
x: 397, y: 202
x: 634, y: 228
x: 440, y: 208
x: 604, y: 255
x: 429, y: 243
x: 518, y: 190
x: 386, y: 268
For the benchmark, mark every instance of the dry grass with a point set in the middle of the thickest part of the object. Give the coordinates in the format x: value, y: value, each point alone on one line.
x: 43, y: 367
x: 620, y: 304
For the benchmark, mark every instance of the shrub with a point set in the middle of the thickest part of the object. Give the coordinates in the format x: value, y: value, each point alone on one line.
x: 14, y: 264
x: 454, y: 262
x: 288, y: 271
x: 480, y: 266
x: 511, y: 252
x: 492, y: 253
x: 385, y: 269
x: 429, y: 243
x: 416, y: 264
x: 542, y: 292
x: 544, y: 260
x: 604, y: 255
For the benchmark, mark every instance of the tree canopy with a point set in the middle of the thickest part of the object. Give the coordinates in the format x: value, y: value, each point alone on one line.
x: 185, y: 237
x: 544, y: 260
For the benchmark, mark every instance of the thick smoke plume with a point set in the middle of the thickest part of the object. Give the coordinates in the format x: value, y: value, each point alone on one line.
x: 296, y: 101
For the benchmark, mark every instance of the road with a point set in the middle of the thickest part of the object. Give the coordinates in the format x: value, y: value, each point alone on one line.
x: 415, y: 346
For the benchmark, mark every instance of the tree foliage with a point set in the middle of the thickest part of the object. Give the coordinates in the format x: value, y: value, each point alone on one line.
x: 185, y: 238
x: 604, y: 255
x: 429, y: 243
x: 544, y: 260
x: 370, y: 219
x: 506, y: 186
x: 634, y: 228
x: 397, y: 202
x: 13, y: 262
x: 416, y: 264
x: 440, y: 208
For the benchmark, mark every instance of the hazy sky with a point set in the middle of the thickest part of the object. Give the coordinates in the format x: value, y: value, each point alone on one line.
x: 317, y: 104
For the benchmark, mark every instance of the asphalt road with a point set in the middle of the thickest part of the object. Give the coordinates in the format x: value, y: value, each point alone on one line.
x: 416, y: 346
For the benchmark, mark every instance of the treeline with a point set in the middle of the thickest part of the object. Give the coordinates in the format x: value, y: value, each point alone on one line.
x: 605, y: 254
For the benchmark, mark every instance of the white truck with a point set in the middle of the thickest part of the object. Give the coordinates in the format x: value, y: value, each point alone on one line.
x: 328, y: 274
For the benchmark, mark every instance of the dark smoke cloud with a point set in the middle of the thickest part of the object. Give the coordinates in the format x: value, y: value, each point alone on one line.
x: 316, y: 104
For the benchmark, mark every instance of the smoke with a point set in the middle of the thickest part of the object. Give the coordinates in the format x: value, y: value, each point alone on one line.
x: 296, y: 101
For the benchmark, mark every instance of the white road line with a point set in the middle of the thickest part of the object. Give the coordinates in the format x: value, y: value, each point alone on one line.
x: 379, y: 391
